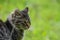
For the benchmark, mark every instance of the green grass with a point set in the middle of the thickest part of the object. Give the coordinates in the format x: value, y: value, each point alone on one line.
x: 44, y: 14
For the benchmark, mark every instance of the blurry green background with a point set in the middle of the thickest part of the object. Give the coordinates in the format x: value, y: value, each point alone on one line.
x: 44, y: 14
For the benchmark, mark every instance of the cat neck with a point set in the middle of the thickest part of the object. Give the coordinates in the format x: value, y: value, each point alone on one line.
x: 18, y: 33
x: 10, y: 26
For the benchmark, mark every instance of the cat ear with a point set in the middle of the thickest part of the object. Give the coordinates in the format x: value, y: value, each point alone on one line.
x: 17, y: 11
x: 25, y: 10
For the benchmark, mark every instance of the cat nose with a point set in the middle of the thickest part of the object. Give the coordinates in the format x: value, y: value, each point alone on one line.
x: 27, y: 21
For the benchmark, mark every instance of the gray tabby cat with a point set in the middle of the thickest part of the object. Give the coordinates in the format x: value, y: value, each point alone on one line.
x: 16, y: 23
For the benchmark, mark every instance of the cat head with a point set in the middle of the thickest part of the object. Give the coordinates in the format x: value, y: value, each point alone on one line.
x: 20, y: 19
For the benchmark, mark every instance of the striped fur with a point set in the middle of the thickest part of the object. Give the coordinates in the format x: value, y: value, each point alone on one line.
x: 20, y: 21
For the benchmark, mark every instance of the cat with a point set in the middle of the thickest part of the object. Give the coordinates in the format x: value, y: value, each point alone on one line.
x: 4, y: 31
x: 16, y: 23
x: 20, y: 21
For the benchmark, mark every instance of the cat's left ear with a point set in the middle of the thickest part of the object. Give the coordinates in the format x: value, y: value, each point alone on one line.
x: 25, y: 10
x: 17, y: 11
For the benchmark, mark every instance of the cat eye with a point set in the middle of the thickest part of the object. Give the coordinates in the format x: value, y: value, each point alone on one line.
x: 18, y: 14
